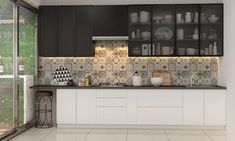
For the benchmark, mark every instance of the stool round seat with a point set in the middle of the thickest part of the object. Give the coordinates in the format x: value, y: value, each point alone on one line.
x: 44, y: 93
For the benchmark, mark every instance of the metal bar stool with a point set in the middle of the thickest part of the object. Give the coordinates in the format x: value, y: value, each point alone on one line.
x: 43, y: 109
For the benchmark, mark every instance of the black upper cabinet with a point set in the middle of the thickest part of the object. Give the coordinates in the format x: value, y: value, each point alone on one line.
x: 67, y: 32
x: 48, y: 31
x: 84, y: 31
x: 110, y: 20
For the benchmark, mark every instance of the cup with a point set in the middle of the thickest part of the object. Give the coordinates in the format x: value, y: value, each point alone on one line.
x: 179, y: 17
x: 144, y: 16
x: 134, y: 17
x: 188, y: 17
x: 132, y: 35
x: 180, y: 34
x: 195, y: 20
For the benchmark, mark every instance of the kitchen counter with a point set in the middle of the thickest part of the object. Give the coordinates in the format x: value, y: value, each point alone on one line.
x: 126, y: 87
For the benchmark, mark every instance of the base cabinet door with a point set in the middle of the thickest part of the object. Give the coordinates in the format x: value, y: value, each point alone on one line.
x: 193, y: 107
x: 215, y: 107
x: 86, y: 106
x: 159, y: 116
x: 66, y: 106
x: 111, y: 115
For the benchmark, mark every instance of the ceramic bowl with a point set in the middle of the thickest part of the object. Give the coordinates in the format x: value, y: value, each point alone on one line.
x: 166, y: 50
x: 191, y: 51
x: 156, y: 81
x: 213, y: 19
x: 181, y: 51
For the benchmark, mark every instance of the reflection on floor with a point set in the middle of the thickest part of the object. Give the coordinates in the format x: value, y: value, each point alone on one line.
x: 2, y: 131
x: 55, y: 134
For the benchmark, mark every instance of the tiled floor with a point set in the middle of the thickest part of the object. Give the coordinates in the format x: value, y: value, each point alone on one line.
x: 55, y: 134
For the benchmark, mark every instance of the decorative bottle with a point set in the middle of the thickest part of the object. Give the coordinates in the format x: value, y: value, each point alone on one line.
x: 214, y: 49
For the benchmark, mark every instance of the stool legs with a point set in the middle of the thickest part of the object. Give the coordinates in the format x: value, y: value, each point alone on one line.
x: 43, y: 109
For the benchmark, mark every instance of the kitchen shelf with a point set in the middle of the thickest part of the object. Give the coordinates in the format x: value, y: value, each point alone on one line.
x: 183, y: 24
x: 139, y: 40
x: 211, y: 40
x: 188, y: 40
x: 139, y: 24
x: 163, y: 24
x: 155, y: 40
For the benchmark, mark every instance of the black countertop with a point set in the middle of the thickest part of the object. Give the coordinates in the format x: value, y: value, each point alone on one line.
x: 126, y: 87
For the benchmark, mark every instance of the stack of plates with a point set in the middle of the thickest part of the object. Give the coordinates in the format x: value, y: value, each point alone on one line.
x: 163, y: 33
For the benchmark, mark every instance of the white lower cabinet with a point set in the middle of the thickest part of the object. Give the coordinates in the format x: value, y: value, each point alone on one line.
x: 159, y: 107
x: 111, y: 115
x: 111, y: 106
x: 66, y: 106
x: 141, y: 107
x: 193, y: 101
x: 86, y: 106
x: 215, y: 107
x: 159, y: 116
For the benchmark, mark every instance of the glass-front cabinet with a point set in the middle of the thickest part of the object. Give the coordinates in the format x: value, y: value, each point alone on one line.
x: 176, y: 30
x: 187, y: 33
x: 211, y: 30
x: 163, y: 29
x: 140, y: 36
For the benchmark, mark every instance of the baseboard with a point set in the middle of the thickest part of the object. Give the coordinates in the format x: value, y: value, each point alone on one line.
x: 140, y: 126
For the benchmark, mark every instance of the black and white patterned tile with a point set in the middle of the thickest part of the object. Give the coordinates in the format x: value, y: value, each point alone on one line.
x: 112, y: 64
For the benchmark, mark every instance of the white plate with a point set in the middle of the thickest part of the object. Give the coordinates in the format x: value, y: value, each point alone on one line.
x: 163, y: 33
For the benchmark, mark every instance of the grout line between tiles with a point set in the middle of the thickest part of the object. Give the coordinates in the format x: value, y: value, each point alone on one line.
x: 166, y: 135
x: 207, y: 135
x: 85, y: 137
x: 43, y: 138
x: 126, y: 133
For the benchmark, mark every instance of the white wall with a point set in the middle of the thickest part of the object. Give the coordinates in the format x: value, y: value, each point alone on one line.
x: 227, y: 63
x: 117, y: 2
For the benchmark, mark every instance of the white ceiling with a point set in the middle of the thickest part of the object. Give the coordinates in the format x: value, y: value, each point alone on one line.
x: 120, y: 2
x: 34, y: 3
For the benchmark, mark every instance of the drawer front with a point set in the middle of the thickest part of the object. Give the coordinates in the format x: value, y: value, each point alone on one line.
x: 111, y: 101
x: 111, y: 93
x: 111, y: 115
x: 159, y: 116
x: 162, y: 98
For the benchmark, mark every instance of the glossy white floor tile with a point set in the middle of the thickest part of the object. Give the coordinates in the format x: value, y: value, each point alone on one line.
x: 146, y: 137
x: 185, y: 132
x: 189, y: 138
x: 54, y: 134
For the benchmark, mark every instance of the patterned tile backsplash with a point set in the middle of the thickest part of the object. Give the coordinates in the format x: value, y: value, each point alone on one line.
x: 112, y: 64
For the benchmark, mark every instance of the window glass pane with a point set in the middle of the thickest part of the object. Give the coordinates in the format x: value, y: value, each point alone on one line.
x: 26, y: 62
x: 6, y: 63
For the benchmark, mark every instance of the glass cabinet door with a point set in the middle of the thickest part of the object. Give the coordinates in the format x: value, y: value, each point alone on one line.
x: 211, y: 18
x: 187, y: 30
x: 163, y: 29
x: 140, y: 37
